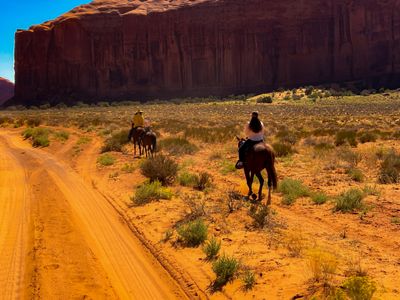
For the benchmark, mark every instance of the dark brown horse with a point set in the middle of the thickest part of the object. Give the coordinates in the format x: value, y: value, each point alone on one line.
x: 149, y: 143
x: 135, y: 135
x: 259, y: 157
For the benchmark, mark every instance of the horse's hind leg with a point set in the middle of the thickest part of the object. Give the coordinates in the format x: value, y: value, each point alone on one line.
x: 261, y: 180
x: 269, y: 191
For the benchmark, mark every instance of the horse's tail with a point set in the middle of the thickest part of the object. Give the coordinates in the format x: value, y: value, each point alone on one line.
x: 270, y: 166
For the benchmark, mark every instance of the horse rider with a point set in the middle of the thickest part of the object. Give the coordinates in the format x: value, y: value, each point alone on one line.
x: 138, y: 119
x: 254, y: 131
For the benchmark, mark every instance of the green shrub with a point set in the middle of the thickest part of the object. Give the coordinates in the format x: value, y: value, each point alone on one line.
x: 350, y: 200
x: 249, y: 280
x: 83, y: 140
x: 319, y: 198
x: 193, y: 233
x: 161, y: 168
x: 225, y: 268
x: 355, y: 174
x: 187, y: 179
x: 346, y: 136
x: 178, y: 146
x: 211, y: 248
x: 351, y: 157
x: 367, y: 137
x: 282, y: 149
x: 106, y: 160
x: 151, y: 191
x: 359, y: 288
x: 292, y: 189
x: 61, y: 135
x: 39, y: 136
x: 116, y: 141
x: 390, y: 168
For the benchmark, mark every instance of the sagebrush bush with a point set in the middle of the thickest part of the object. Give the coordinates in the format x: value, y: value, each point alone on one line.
x: 350, y: 200
x: 177, y: 146
x: 106, y: 160
x: 211, y: 248
x: 116, y: 141
x: 390, y: 168
x: 150, y: 191
x: 367, y: 137
x: 351, y: 157
x: 39, y: 136
x: 128, y: 168
x: 203, y: 181
x: 292, y: 189
x: 287, y: 137
x: 282, y: 149
x: 359, y: 288
x: 161, y: 168
x: 193, y: 233
x: 261, y: 215
x: 346, y: 136
x: 33, y: 122
x: 225, y: 268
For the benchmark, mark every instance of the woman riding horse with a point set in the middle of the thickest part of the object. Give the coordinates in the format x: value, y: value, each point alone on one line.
x: 255, y: 156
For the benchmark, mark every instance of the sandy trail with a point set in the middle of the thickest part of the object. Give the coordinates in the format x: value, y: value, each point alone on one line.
x: 14, y: 223
x: 113, y: 249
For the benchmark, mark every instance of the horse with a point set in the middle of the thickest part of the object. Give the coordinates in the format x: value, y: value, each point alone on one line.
x: 149, y: 143
x: 135, y: 135
x: 259, y: 157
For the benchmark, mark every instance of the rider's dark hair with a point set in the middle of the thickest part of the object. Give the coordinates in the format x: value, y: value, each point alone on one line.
x: 255, y: 124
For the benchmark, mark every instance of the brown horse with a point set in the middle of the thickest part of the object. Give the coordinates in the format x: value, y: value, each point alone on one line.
x: 149, y: 143
x: 135, y: 135
x: 259, y: 157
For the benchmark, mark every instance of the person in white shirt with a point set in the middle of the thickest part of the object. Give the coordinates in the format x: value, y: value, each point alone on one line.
x: 254, y: 131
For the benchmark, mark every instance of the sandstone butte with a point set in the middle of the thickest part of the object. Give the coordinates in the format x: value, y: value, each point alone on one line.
x: 6, y: 90
x: 130, y: 49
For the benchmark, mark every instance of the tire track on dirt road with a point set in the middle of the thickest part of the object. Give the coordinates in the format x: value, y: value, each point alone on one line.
x: 133, y: 272
x: 14, y: 226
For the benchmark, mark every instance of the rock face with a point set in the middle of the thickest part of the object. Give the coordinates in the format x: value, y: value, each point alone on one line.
x: 136, y: 49
x: 6, y: 90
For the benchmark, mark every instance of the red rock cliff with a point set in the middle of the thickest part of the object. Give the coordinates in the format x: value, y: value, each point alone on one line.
x: 158, y: 48
x: 6, y: 90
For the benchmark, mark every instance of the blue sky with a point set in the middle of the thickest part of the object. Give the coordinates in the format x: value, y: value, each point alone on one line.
x: 21, y: 14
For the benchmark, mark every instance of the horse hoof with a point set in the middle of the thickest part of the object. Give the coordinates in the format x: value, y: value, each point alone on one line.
x: 254, y: 197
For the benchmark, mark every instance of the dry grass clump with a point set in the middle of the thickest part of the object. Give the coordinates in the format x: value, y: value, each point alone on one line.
x: 249, y: 280
x: 261, y: 215
x: 213, y: 134
x: 283, y: 149
x: 390, y: 168
x: 150, y: 191
x: 177, y: 146
x: 367, y: 137
x: 344, y: 137
x: 319, y: 198
x: 61, y: 135
x: 193, y: 233
x: 322, y: 264
x: 161, y: 168
x: 200, y: 182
